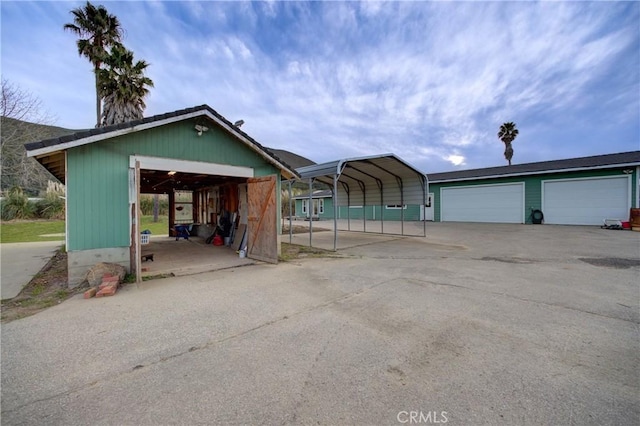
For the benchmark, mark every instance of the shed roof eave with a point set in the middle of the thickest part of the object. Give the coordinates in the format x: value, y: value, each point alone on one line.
x: 161, y: 120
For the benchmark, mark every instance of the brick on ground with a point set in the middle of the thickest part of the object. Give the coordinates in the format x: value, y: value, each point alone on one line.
x: 90, y: 293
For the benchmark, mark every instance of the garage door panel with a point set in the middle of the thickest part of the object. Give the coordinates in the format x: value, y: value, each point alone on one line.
x: 484, y: 203
x: 585, y: 201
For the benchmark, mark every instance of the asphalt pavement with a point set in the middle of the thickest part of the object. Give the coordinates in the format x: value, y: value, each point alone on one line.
x: 20, y: 262
x: 502, y: 324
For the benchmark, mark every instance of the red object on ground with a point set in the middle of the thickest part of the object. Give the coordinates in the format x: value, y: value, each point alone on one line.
x: 626, y: 225
x: 218, y: 241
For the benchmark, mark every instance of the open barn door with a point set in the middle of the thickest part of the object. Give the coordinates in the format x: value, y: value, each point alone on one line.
x: 262, y: 224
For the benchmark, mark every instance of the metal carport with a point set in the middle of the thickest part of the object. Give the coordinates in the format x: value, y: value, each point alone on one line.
x: 383, y: 179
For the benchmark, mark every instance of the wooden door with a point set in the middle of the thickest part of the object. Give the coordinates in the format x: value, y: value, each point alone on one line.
x: 262, y: 229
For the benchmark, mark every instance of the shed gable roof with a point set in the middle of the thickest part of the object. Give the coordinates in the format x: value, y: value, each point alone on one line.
x: 622, y: 159
x: 44, y: 149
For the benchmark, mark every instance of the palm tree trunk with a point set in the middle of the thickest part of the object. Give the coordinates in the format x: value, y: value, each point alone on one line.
x: 98, y: 102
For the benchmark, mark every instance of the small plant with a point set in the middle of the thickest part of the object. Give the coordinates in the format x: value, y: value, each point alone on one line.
x: 17, y: 205
x: 37, y: 290
x: 129, y: 279
x: 61, y: 294
x: 51, y: 206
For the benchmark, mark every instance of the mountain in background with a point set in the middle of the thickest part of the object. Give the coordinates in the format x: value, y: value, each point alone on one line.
x: 17, y: 168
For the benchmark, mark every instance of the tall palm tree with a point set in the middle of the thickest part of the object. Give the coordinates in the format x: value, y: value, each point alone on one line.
x: 507, y: 134
x: 97, y: 31
x: 123, y: 86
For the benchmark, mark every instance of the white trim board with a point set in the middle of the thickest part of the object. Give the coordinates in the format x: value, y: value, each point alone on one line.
x: 202, y: 112
x: 184, y: 166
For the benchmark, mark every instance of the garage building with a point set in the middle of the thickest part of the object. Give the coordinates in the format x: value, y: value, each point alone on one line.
x: 577, y: 191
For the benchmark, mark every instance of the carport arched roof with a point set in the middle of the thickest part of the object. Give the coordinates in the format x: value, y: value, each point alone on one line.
x: 383, y: 179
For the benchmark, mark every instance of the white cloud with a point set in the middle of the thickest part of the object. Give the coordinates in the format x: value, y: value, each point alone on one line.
x: 456, y: 160
x: 429, y: 81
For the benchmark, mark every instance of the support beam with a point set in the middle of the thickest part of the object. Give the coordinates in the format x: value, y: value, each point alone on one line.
x: 335, y: 212
x: 290, y: 211
x: 309, y: 212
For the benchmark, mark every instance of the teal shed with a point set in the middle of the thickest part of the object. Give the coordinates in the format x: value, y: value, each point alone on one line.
x: 194, y: 153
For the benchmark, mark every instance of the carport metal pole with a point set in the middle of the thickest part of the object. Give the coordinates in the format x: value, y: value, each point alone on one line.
x: 381, y: 209
x: 335, y: 212
x: 401, y: 207
x: 290, y: 210
x: 309, y: 210
x: 425, y: 191
x: 364, y: 208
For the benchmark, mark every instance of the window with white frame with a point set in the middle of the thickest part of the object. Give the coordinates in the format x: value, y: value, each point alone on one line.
x: 305, y: 205
x: 321, y: 206
x: 395, y: 207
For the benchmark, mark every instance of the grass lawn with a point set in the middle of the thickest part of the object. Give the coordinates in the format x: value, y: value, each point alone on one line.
x: 31, y: 230
x: 161, y: 227
x: 53, y: 230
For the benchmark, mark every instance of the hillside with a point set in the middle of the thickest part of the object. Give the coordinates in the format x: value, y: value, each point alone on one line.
x: 17, y: 168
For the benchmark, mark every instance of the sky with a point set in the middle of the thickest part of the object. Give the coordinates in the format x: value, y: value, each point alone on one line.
x: 428, y: 81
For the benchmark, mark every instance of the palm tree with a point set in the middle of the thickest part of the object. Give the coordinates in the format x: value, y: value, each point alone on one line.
x: 123, y: 86
x: 97, y: 31
x: 507, y: 134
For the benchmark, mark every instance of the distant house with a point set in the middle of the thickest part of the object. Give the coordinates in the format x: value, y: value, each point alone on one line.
x: 323, y: 209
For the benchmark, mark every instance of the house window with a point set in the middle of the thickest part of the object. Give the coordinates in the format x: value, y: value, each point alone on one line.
x: 318, y: 206
x: 395, y: 207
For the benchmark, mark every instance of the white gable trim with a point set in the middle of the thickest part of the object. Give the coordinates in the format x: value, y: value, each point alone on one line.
x: 203, y: 112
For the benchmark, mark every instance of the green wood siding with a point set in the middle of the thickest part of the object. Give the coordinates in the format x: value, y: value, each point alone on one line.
x: 532, y: 187
x: 98, y: 176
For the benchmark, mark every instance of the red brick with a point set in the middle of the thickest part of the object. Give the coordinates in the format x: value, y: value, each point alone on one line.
x: 90, y: 293
x: 110, y: 279
x: 107, y: 284
x: 107, y: 275
x: 107, y: 291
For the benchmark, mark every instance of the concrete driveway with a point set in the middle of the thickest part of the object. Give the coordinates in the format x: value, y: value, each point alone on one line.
x: 21, y: 262
x: 475, y: 324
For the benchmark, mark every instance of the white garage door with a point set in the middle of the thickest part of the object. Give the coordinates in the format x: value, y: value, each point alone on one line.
x: 483, y: 203
x: 585, y: 201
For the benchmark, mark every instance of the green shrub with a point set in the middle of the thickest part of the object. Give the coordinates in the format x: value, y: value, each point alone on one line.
x: 17, y: 205
x: 146, y: 204
x: 51, y: 206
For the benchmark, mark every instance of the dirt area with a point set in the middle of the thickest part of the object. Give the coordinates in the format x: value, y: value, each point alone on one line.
x: 46, y: 289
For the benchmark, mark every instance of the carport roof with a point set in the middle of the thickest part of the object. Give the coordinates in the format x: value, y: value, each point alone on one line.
x: 370, y: 171
x: 49, y: 152
x: 622, y: 159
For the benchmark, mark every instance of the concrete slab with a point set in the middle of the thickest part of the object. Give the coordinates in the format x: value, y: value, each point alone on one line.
x: 476, y: 324
x: 186, y: 257
x: 346, y: 239
x: 21, y: 262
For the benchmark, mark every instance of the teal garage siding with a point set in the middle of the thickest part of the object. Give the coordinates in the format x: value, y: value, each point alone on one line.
x: 98, y: 176
x: 533, y: 187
